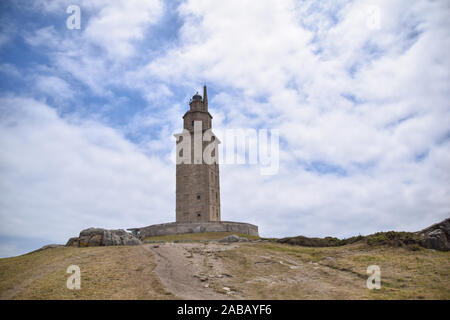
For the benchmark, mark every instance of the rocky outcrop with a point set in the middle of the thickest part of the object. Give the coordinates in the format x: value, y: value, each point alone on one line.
x: 94, y: 237
x: 437, y: 236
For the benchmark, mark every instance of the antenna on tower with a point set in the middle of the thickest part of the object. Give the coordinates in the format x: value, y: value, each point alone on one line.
x: 205, y: 97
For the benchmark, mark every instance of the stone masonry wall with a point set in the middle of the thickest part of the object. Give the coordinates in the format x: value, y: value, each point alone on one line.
x: 181, y: 227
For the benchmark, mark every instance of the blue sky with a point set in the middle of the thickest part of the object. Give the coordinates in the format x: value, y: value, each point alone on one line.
x: 359, y: 91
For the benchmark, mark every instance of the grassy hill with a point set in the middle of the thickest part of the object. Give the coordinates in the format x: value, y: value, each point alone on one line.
x: 280, y: 271
x: 106, y: 273
x: 254, y: 270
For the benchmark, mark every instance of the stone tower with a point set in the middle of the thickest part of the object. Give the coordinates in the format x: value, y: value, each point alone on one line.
x: 197, y: 181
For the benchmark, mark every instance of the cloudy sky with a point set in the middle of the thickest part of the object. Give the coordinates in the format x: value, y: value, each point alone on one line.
x: 359, y: 91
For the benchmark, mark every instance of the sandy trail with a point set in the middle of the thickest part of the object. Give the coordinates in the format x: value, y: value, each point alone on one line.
x: 187, y: 269
x: 197, y: 271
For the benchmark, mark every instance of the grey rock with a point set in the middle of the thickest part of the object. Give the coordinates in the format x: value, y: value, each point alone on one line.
x: 436, y: 239
x: 91, y: 232
x: 95, y: 240
x: 73, y: 242
x: 437, y: 236
x: 111, y: 238
x: 101, y: 237
x: 83, y: 241
x: 231, y: 238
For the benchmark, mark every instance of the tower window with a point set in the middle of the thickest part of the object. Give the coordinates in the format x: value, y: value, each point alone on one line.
x: 192, y: 123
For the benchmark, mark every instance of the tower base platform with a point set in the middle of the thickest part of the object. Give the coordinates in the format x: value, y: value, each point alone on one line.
x: 194, y: 227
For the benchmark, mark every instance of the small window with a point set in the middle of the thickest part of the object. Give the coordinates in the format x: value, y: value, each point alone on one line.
x: 192, y: 123
x: 198, y: 214
x: 198, y: 197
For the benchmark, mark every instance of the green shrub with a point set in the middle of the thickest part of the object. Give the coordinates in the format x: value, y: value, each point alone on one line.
x: 390, y: 238
x: 393, y: 238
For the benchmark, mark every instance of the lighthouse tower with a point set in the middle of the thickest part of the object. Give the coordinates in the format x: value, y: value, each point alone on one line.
x: 197, y: 182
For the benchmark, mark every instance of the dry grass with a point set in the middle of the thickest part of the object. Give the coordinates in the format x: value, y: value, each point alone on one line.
x: 203, y: 236
x: 279, y: 271
x: 255, y: 270
x: 106, y: 273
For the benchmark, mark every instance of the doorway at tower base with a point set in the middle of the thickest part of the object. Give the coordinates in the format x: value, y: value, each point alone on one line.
x: 194, y: 227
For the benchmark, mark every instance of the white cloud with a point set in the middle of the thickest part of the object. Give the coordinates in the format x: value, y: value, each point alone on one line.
x: 46, y: 36
x: 98, y: 54
x: 236, y: 43
x: 9, y: 70
x: 54, y: 86
x: 119, y: 23
x: 61, y: 176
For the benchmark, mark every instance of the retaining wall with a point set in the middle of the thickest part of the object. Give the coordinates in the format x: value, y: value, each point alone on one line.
x: 195, y: 227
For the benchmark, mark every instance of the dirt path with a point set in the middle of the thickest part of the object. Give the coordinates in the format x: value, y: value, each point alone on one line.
x: 213, y: 271
x: 188, y: 270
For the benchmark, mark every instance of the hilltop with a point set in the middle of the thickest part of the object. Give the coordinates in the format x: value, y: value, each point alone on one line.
x: 197, y: 266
